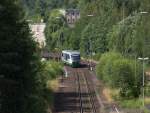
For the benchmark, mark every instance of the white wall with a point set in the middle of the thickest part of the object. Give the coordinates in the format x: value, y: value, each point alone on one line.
x: 37, y: 30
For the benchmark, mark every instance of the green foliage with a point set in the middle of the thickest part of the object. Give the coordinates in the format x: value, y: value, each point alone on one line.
x: 86, y: 40
x: 44, y: 7
x: 120, y: 73
x: 114, y: 26
x: 52, y: 69
x: 54, y: 31
x: 129, y: 37
x: 107, y: 27
x: 123, y: 76
x: 19, y: 62
x: 136, y: 103
x: 70, y: 3
x: 104, y: 68
x: 36, y: 101
x: 96, y: 56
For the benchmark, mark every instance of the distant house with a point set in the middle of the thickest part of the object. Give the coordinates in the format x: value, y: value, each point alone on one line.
x: 72, y: 15
x: 37, y: 30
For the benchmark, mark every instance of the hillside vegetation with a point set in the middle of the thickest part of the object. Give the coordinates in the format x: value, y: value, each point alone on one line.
x: 117, y: 34
x: 118, y: 30
x: 24, y: 79
x: 40, y: 9
x: 116, y: 25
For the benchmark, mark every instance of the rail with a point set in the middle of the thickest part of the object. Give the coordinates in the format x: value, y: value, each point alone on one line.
x: 91, y: 95
x: 80, y: 93
x: 90, y: 92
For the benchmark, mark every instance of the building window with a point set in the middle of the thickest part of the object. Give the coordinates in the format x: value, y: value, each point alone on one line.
x: 73, y: 13
x: 68, y: 20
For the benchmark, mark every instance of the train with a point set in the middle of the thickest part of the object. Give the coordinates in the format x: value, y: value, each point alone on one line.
x: 71, y: 58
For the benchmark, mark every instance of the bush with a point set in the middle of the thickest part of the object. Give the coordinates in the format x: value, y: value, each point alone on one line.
x: 52, y: 69
x: 104, y: 68
x: 49, y: 70
x: 119, y: 72
x: 123, y: 76
x: 96, y: 56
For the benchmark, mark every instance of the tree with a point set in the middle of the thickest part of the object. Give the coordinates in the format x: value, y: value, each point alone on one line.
x: 119, y: 72
x: 54, y: 31
x: 19, y: 62
x: 130, y: 37
x: 104, y: 68
x: 124, y: 77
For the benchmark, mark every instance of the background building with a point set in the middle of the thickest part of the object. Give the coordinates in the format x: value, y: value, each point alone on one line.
x: 37, y: 30
x: 72, y: 15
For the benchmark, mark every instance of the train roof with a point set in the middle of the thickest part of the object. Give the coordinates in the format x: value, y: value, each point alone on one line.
x: 70, y: 52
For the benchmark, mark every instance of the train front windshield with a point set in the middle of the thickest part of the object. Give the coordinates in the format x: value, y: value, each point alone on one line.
x: 75, y: 57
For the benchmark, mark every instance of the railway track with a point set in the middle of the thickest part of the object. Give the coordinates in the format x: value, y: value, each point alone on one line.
x: 86, y: 94
x: 77, y: 93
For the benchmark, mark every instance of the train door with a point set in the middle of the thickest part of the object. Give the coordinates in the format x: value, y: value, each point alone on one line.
x: 67, y: 58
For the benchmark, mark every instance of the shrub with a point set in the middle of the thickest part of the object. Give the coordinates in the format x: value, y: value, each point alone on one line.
x: 96, y: 56
x: 52, y: 69
x: 104, y: 68
x: 49, y: 70
x: 119, y: 72
x: 123, y: 76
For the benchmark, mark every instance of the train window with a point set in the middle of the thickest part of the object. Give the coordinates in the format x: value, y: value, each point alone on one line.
x: 66, y: 57
x: 68, y: 20
x: 75, y: 57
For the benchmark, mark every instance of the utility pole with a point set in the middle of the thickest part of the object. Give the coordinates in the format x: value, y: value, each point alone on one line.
x: 61, y: 36
x: 143, y: 81
x: 90, y: 42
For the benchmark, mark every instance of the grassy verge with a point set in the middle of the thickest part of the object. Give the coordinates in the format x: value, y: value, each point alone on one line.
x: 130, y: 103
x: 53, y: 85
x: 112, y: 95
x: 134, y: 104
x: 109, y: 94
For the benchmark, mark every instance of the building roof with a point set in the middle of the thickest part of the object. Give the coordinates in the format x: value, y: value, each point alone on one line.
x: 71, y: 52
x: 50, y: 55
x: 72, y: 11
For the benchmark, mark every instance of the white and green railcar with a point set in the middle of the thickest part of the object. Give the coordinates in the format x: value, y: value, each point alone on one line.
x: 71, y: 58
